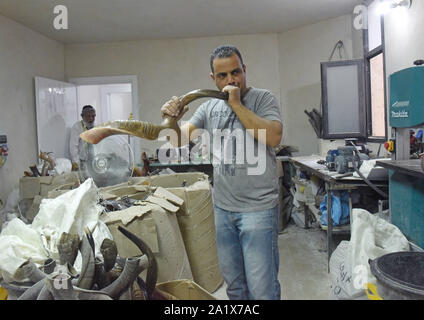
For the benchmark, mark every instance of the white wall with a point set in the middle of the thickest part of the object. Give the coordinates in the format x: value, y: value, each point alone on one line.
x: 173, y: 67
x: 23, y: 55
x: 301, y: 52
x: 404, y: 38
x: 404, y: 42
x: 288, y: 64
x: 120, y: 105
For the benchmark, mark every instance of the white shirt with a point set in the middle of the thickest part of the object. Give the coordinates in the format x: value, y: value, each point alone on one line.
x: 77, y: 147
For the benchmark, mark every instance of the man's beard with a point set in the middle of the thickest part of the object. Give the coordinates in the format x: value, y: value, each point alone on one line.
x: 89, y: 125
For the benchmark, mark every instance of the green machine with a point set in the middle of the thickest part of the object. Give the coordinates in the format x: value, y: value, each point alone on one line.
x: 406, y: 177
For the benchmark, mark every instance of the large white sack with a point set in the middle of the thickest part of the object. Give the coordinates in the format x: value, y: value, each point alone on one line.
x: 18, y: 243
x: 371, y: 238
x: 70, y: 212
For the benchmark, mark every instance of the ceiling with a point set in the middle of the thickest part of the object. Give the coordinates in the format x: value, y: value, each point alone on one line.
x: 123, y: 20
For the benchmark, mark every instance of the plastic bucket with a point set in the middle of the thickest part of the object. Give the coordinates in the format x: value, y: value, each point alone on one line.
x: 400, y: 275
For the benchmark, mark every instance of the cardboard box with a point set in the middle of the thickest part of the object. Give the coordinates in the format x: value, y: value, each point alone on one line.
x: 196, y: 221
x: 160, y: 230
x: 29, y: 187
x: 33, y: 189
x: 184, y: 290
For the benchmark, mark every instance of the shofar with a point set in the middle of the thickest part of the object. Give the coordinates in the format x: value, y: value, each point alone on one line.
x: 147, y: 130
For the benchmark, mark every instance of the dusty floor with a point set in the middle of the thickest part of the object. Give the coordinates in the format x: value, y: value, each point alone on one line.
x: 303, y: 265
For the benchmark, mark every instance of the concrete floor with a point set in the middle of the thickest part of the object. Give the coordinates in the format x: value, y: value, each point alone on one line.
x: 303, y: 265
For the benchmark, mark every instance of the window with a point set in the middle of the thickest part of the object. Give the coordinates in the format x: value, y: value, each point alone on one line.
x: 342, y: 99
x: 375, y: 75
x: 354, y: 91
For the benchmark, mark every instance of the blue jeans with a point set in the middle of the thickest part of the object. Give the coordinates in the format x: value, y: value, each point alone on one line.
x: 248, y: 256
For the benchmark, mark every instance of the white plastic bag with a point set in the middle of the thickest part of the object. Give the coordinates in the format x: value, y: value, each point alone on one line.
x: 371, y: 237
x: 62, y: 165
x: 70, y: 212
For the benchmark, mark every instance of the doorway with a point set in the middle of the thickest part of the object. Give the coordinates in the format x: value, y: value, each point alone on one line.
x: 111, y: 101
x: 114, y: 98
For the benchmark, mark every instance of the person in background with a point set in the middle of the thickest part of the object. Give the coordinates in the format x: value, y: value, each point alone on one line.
x: 245, y: 205
x: 77, y: 147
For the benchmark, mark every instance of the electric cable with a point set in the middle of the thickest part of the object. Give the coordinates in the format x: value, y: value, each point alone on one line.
x: 373, y: 186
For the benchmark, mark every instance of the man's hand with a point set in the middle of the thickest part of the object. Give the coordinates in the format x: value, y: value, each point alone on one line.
x: 234, y: 95
x: 173, y: 108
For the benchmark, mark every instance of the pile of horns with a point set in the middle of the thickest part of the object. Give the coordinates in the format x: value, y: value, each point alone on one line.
x: 110, y: 278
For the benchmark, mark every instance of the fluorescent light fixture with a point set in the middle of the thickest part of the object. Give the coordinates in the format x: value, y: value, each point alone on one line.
x: 384, y: 6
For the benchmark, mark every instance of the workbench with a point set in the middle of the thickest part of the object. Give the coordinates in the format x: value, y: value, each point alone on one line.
x: 406, y: 202
x: 180, y: 166
x: 333, y: 181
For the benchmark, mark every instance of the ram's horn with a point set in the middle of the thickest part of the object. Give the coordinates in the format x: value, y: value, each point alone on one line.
x: 68, y: 248
x: 133, y: 267
x: 147, y: 130
x: 86, y: 278
x: 33, y: 292
x: 29, y: 270
x: 109, y: 252
x: 152, y: 271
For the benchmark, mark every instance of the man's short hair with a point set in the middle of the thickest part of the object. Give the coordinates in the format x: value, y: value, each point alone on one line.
x: 224, y: 51
x: 87, y: 109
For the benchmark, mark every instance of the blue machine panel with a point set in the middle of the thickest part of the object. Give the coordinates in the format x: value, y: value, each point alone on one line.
x: 407, y: 205
x: 407, y: 97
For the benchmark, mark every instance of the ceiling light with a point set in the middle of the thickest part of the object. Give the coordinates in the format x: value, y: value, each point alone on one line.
x: 384, y: 6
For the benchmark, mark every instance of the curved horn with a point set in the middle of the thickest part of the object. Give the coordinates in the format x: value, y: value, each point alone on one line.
x: 133, y: 267
x: 152, y: 270
x: 68, y: 248
x: 29, y: 270
x: 33, y: 292
x: 67, y: 291
x: 147, y: 130
x: 109, y: 251
x: 86, y: 278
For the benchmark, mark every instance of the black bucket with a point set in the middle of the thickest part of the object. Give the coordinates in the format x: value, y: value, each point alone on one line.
x: 400, y: 275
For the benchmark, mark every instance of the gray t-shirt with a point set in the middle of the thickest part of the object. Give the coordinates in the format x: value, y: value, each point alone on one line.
x: 245, y: 172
